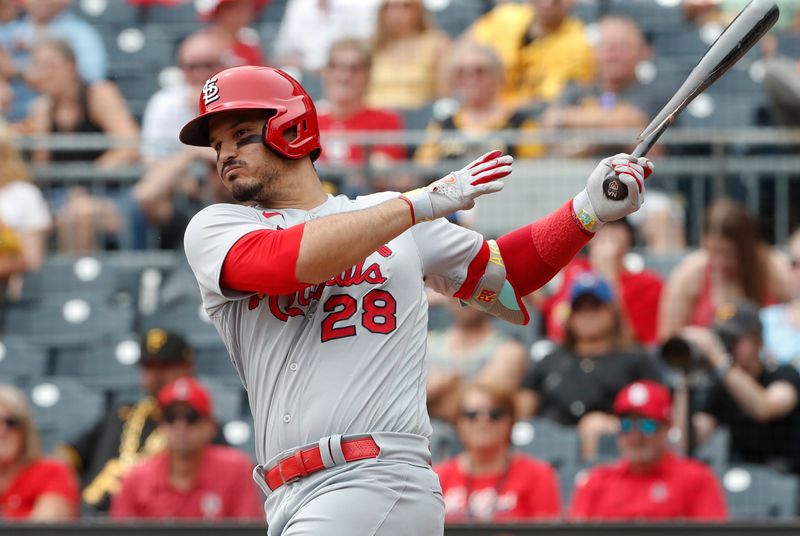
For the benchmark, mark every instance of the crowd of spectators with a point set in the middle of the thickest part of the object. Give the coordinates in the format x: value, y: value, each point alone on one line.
x: 520, y: 68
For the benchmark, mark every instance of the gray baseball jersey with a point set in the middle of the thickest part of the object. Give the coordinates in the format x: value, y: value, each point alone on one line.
x: 341, y: 357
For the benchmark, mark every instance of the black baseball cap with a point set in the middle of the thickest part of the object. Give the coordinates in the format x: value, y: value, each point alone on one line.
x: 162, y: 347
x: 739, y: 319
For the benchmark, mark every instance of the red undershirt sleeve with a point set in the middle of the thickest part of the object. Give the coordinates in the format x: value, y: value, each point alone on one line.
x: 264, y: 261
x: 535, y: 253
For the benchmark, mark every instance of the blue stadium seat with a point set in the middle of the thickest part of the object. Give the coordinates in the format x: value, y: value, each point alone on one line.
x: 63, y: 408
x: 113, y: 12
x: 109, y: 364
x: 20, y: 360
x: 66, y: 274
x: 457, y: 15
x: 653, y: 18
x: 273, y: 13
x: 68, y: 320
x: 444, y: 441
x: 185, y: 316
x: 549, y: 441
x: 756, y: 491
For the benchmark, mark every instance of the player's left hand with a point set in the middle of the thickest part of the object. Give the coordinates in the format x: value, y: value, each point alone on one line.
x: 591, y: 206
x: 459, y: 189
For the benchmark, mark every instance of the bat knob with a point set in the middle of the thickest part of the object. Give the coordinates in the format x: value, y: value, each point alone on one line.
x: 614, y: 189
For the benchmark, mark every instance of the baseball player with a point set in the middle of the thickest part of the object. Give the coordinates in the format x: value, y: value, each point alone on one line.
x: 321, y: 305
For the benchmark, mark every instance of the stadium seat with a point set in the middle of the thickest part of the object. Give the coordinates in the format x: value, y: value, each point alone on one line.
x: 444, y: 441
x: 549, y: 441
x: 274, y: 11
x: 756, y: 491
x: 455, y: 16
x: 716, y: 451
x: 228, y: 398
x: 66, y: 274
x: 185, y: 316
x: 101, y: 13
x: 239, y: 433
x: 569, y: 477
x: 63, y: 408
x: 211, y: 358
x: 109, y: 364
x: 21, y: 361
x: 69, y: 320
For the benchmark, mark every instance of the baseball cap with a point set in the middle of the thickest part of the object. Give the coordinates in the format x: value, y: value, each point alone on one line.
x: 739, y: 319
x: 646, y: 398
x: 162, y: 347
x: 190, y: 392
x: 589, y: 283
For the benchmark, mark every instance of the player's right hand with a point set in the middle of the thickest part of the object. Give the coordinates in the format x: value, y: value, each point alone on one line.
x: 593, y: 208
x: 458, y: 190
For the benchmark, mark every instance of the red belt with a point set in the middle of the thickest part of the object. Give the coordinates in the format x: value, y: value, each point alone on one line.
x: 306, y: 462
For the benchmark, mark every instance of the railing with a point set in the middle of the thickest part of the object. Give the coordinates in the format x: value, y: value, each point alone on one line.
x: 757, y: 165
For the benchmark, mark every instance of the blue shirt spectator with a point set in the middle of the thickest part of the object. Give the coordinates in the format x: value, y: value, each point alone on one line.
x: 49, y: 19
x: 781, y: 334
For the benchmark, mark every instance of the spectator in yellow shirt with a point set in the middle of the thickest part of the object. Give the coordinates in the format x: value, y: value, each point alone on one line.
x: 476, y: 75
x: 541, y: 46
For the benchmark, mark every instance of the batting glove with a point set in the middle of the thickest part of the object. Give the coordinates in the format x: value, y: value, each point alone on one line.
x: 592, y: 207
x: 458, y: 190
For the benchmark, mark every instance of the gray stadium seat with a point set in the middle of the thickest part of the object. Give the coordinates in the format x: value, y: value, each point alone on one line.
x: 21, y: 361
x: 239, y: 433
x: 716, y: 451
x: 457, y: 15
x: 63, y: 408
x: 64, y: 274
x: 109, y: 364
x: 67, y: 320
x: 444, y: 441
x: 756, y: 491
x: 228, y: 398
x: 185, y: 316
x: 551, y: 442
x: 569, y: 477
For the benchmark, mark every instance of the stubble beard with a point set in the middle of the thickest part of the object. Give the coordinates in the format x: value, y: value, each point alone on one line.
x: 260, y: 190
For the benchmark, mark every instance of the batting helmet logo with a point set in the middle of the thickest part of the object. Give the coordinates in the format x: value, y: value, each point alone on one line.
x: 210, y: 91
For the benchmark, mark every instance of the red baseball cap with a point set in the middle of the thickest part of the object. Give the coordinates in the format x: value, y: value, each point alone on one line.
x: 646, y: 398
x: 189, y: 391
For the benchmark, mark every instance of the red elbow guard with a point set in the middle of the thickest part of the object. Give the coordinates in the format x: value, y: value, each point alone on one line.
x: 535, y: 253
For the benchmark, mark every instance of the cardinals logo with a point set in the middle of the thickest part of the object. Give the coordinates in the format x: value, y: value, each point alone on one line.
x: 210, y: 91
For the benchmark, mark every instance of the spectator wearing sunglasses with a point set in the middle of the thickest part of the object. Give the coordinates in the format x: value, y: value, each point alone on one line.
x: 31, y: 487
x: 649, y: 481
x: 489, y: 482
x: 191, y: 478
x: 575, y: 385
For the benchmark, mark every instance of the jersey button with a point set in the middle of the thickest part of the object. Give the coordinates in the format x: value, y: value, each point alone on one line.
x: 293, y: 367
x: 287, y: 418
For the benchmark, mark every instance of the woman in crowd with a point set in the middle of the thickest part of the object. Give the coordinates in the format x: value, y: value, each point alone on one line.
x: 475, y: 73
x: 781, y: 322
x: 407, y: 51
x: 68, y: 105
x: 576, y: 384
x: 24, y: 218
x: 489, y: 482
x: 732, y: 265
x: 31, y: 487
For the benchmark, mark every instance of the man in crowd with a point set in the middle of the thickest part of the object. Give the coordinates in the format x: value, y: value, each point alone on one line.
x: 758, y: 403
x: 190, y: 478
x: 649, y: 481
x: 128, y: 433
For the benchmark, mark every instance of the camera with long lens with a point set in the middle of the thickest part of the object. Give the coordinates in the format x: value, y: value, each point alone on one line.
x: 681, y: 354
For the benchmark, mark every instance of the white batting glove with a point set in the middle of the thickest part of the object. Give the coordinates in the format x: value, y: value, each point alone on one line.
x: 458, y: 190
x: 592, y: 207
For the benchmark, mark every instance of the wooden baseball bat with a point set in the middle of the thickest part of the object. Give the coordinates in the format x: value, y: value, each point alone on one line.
x: 742, y: 33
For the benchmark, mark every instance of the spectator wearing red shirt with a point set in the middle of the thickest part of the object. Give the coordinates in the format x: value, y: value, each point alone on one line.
x: 489, y: 482
x: 190, y: 479
x: 345, y: 81
x: 639, y: 291
x: 230, y: 20
x: 31, y: 488
x: 649, y: 482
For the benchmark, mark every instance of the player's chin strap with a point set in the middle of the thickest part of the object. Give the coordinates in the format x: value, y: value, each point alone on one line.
x: 495, y: 295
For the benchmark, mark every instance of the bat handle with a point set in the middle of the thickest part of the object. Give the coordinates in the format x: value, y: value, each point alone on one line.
x: 614, y: 189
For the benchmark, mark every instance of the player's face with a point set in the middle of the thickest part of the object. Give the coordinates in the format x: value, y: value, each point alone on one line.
x: 642, y: 441
x: 11, y: 436
x: 250, y: 171
x: 481, y: 423
x: 186, y: 431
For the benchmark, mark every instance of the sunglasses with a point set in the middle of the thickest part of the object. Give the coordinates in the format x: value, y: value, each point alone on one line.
x: 493, y: 414
x: 647, y: 427
x: 12, y: 423
x: 189, y: 417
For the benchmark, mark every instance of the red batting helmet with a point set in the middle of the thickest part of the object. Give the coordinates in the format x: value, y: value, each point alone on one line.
x: 254, y: 87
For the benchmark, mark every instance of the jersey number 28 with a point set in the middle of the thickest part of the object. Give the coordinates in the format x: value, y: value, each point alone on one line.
x: 378, y: 314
